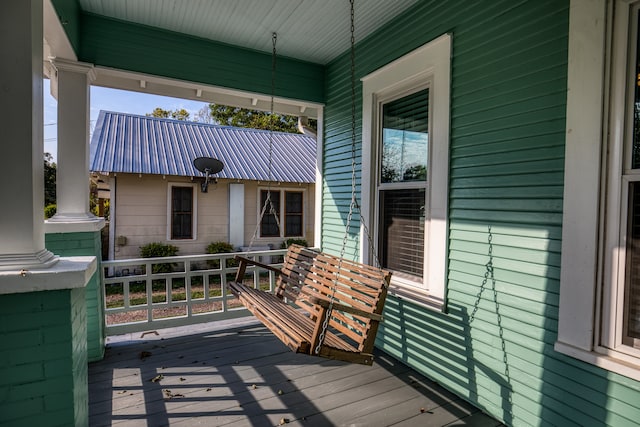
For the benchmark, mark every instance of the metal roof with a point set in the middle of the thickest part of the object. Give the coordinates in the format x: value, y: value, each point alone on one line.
x: 128, y: 143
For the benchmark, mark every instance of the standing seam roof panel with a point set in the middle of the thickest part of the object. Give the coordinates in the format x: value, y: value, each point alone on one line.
x: 141, y: 144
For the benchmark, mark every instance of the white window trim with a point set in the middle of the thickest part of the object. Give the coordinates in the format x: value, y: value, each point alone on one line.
x: 194, y: 222
x: 317, y: 220
x: 428, y: 65
x: 282, y: 190
x: 587, y: 130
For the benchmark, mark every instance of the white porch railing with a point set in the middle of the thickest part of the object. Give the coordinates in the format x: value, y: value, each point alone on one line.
x: 145, y: 294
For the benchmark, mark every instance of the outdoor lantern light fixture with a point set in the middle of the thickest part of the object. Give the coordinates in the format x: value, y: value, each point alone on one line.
x: 208, y: 166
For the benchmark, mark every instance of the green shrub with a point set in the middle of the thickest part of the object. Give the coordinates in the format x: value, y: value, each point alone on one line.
x: 155, y: 249
x: 288, y: 242
x: 152, y: 250
x: 221, y: 248
x: 50, y: 210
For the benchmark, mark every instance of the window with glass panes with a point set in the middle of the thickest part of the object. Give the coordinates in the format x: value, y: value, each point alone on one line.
x: 289, y: 210
x: 631, y: 187
x: 402, y: 185
x: 293, y: 213
x: 269, y: 224
x: 181, y: 212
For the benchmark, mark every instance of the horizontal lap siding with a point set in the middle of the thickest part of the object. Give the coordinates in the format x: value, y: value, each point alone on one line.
x: 508, y: 99
x: 112, y: 43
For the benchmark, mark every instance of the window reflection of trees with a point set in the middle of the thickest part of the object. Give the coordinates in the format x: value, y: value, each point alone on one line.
x: 404, y: 158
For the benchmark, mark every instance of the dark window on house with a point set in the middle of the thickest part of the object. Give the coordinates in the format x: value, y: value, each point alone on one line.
x: 269, y: 225
x: 632, y: 297
x: 289, y: 214
x: 293, y: 213
x: 181, y: 213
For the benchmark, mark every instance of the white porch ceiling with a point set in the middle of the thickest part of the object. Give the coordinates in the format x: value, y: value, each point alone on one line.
x: 310, y: 30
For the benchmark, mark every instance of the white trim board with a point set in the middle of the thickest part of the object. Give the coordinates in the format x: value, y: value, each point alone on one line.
x: 427, y: 65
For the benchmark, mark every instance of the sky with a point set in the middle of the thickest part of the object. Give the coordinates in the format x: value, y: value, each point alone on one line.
x: 110, y: 100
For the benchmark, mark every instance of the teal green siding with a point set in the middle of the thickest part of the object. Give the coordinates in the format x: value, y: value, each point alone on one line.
x: 43, y: 375
x: 112, y: 43
x: 85, y: 244
x: 69, y: 14
x: 508, y: 100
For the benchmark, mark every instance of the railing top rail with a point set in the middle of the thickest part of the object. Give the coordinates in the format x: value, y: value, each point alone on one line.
x: 179, y: 258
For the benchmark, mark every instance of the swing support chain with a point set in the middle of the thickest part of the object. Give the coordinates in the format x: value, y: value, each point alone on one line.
x: 489, y: 275
x: 268, y: 203
x: 353, y: 202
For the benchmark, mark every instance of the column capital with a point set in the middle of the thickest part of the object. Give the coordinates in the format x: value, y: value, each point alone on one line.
x: 73, y: 224
x: 61, y: 64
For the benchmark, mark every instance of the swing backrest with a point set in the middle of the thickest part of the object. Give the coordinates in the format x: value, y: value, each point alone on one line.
x: 310, y: 276
x: 295, y: 268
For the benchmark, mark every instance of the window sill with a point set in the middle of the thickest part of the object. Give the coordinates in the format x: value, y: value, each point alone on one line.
x: 609, y: 362
x: 417, y: 296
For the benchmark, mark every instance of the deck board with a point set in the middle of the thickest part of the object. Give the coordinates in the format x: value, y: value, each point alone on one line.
x: 237, y: 374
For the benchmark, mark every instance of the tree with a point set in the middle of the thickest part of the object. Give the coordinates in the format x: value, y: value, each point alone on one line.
x: 177, y: 114
x: 50, y: 170
x: 237, y: 117
x: 415, y: 173
x: 255, y: 119
x: 204, y: 115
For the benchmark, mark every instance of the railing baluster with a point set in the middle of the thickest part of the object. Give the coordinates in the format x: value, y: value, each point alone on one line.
x: 187, y: 288
x: 149, y: 288
x: 126, y: 272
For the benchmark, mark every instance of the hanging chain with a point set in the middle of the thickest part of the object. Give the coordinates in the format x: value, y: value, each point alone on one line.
x: 274, y: 55
x: 274, y: 39
x: 490, y: 275
x: 352, y: 203
x: 268, y: 203
x: 487, y: 274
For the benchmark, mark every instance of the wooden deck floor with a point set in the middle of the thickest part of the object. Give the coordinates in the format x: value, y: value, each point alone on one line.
x: 237, y: 374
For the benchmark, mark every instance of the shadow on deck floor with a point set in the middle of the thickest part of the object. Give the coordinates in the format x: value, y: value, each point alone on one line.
x: 238, y: 374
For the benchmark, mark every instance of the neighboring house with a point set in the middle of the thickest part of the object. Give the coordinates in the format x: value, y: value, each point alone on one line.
x: 155, y: 190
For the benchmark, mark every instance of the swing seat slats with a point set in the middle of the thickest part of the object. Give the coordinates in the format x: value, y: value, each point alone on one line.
x: 295, y: 312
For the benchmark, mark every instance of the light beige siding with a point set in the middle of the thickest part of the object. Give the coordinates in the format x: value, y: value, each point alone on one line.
x: 141, y: 214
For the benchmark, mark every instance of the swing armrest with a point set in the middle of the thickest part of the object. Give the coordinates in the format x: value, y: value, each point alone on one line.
x: 324, y: 303
x: 244, y: 262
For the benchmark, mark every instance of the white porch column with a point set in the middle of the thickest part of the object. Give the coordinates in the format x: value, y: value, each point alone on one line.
x: 21, y: 139
x: 72, y: 80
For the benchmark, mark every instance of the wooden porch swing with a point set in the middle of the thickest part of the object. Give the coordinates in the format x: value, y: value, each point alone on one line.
x: 323, y: 305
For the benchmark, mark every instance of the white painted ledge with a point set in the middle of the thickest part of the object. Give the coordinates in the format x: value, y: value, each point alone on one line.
x: 73, y: 224
x: 417, y: 296
x: 627, y: 367
x: 67, y: 273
